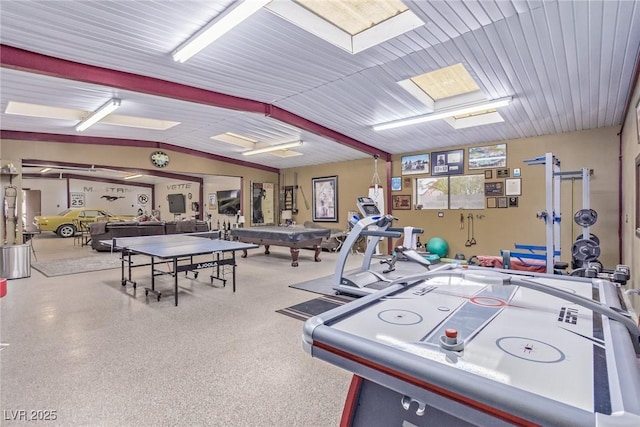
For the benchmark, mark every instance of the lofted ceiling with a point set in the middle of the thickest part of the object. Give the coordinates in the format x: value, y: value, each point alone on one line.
x: 568, y: 65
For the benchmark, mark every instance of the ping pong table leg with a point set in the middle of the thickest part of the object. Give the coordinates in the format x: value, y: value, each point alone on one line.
x: 129, y: 267
x: 175, y: 280
x: 218, y: 264
x: 233, y: 270
x: 122, y: 280
x: 153, y: 274
x: 125, y: 257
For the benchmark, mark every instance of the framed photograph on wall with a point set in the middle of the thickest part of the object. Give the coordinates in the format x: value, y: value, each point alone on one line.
x: 401, y: 202
x: 489, y: 156
x: 512, y: 187
x: 447, y: 162
x: 396, y: 183
x: 415, y: 164
x: 325, y: 198
x: 493, y: 189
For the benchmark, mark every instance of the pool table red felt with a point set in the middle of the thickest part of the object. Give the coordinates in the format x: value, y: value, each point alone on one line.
x: 294, y: 237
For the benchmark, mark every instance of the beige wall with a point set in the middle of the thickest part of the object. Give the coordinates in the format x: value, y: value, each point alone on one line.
x: 354, y: 179
x: 630, y: 202
x: 499, y: 228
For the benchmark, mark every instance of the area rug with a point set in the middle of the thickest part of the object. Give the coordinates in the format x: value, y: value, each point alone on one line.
x: 63, y: 267
x: 308, y: 309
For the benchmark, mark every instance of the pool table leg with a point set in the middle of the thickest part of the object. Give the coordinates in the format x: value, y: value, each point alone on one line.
x: 244, y: 253
x: 318, y: 249
x: 294, y: 256
x: 266, y: 249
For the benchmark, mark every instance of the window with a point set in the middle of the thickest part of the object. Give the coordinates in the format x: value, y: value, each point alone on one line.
x: 450, y: 192
x: 432, y: 193
x: 466, y: 192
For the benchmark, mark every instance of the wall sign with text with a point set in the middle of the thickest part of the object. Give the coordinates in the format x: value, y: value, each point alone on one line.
x: 76, y: 200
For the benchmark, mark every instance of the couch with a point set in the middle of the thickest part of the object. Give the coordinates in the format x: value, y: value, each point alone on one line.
x: 108, y: 230
x: 332, y: 243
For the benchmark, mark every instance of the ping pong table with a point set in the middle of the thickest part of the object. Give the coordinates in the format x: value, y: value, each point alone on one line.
x: 180, y: 250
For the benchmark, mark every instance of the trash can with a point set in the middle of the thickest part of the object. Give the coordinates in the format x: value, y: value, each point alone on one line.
x: 15, y: 261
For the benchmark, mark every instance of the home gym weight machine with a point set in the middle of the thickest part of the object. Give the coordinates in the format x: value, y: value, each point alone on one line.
x: 586, y: 248
x: 374, y: 226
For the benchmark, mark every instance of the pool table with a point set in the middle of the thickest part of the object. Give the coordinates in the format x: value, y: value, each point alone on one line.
x: 293, y: 237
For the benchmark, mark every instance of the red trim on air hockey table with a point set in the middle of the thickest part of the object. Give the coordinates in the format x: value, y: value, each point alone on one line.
x: 351, y: 402
x: 352, y: 397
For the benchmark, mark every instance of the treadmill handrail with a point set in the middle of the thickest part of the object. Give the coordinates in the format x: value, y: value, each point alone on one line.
x: 377, y: 233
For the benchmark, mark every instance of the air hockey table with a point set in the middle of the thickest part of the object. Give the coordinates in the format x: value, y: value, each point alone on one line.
x: 291, y: 236
x: 477, y: 346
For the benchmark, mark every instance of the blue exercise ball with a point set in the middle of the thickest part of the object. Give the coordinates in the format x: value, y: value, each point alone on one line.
x: 438, y: 246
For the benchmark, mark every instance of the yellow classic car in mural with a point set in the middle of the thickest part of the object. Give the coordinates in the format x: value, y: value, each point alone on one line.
x: 67, y: 222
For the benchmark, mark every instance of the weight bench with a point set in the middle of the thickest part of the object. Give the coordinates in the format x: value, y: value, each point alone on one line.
x: 531, y: 260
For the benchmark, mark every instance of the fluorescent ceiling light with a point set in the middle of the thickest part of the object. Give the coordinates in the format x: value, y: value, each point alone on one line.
x: 215, y: 29
x: 444, y: 114
x: 132, y: 176
x: 45, y: 170
x: 272, y: 148
x: 48, y: 112
x: 99, y: 114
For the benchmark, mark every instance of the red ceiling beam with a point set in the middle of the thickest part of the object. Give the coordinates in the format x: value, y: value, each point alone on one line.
x: 23, y: 60
x: 287, y: 117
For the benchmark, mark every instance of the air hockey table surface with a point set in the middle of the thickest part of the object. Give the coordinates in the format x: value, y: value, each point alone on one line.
x: 531, y: 349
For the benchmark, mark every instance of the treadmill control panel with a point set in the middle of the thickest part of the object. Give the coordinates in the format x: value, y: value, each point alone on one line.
x: 367, y: 206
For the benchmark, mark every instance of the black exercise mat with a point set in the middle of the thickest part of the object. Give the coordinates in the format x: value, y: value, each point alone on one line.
x: 308, y: 309
x: 324, y: 285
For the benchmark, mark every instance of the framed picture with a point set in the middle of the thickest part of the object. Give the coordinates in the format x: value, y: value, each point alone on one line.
x: 448, y: 162
x: 290, y: 199
x: 490, y: 156
x: 502, y: 202
x: 512, y: 187
x: 396, y: 183
x: 325, y: 198
x: 488, y: 174
x: 415, y: 164
x: 493, y: 189
x: 402, y: 202
x: 491, y: 202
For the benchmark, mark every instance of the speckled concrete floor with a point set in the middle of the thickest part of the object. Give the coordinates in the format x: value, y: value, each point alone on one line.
x: 100, y: 354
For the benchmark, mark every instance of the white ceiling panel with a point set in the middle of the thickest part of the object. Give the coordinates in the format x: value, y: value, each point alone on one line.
x: 567, y: 64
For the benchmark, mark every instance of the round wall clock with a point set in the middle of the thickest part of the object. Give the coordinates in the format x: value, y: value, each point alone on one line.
x: 159, y: 159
